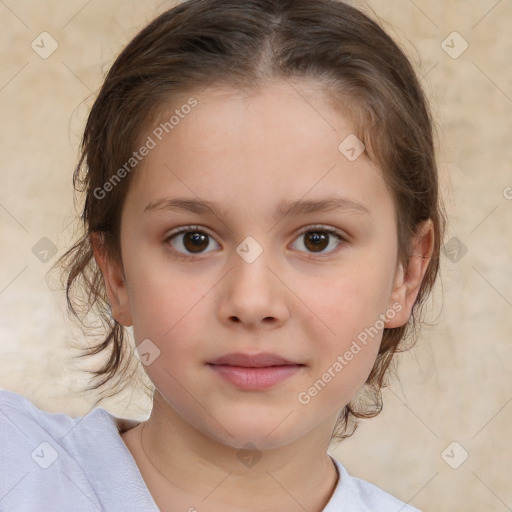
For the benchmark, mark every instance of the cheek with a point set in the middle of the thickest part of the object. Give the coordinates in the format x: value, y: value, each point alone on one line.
x: 350, y: 301
x: 346, y: 327
x: 170, y: 324
x: 171, y: 313
x: 345, y: 351
x: 175, y: 342
x: 162, y: 298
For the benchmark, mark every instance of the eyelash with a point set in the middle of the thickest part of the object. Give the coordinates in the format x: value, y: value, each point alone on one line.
x: 314, y: 228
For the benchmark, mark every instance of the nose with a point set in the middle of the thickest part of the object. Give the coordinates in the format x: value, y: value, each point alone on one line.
x: 253, y: 294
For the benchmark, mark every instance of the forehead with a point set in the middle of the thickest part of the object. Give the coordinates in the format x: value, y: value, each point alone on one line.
x: 281, y: 141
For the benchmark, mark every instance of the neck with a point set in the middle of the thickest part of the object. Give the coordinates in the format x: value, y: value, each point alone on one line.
x: 186, y: 462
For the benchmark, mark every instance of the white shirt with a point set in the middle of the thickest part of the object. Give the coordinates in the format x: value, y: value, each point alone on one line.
x: 53, y: 462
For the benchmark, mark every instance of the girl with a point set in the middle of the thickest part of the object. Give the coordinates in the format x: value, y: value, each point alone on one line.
x: 261, y: 206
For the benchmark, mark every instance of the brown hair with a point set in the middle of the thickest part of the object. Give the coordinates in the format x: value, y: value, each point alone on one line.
x: 244, y: 44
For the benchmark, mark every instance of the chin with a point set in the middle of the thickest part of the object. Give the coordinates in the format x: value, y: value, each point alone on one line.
x: 254, y: 433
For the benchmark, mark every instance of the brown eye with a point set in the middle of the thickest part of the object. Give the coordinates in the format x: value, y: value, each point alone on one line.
x: 316, y: 241
x: 195, y: 242
x: 318, y: 238
x: 190, y: 241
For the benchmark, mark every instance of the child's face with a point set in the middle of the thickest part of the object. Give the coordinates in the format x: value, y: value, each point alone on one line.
x: 302, y: 302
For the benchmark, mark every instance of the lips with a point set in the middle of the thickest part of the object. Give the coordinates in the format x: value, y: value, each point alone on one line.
x: 254, y: 372
x: 253, y: 361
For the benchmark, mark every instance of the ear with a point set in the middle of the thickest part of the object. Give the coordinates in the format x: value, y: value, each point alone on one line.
x: 113, y: 277
x: 408, y: 280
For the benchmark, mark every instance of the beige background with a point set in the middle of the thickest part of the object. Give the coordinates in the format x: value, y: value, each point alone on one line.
x: 455, y: 384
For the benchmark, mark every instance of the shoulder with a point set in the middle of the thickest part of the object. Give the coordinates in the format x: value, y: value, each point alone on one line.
x: 52, y: 461
x: 355, y: 494
x: 39, y: 462
x: 21, y: 417
x: 24, y: 426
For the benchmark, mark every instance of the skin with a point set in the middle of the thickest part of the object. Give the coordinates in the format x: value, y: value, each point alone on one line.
x: 249, y: 152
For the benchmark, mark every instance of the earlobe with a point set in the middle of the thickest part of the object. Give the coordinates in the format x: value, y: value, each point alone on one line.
x: 408, y: 280
x: 113, y: 278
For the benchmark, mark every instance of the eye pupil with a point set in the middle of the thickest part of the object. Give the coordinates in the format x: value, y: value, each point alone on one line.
x: 317, y: 238
x: 197, y: 240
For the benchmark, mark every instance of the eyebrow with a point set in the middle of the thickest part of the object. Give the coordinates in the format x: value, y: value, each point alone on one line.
x: 299, y: 207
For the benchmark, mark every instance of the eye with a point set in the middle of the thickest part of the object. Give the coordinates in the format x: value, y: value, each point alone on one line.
x: 317, y: 238
x: 190, y: 240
